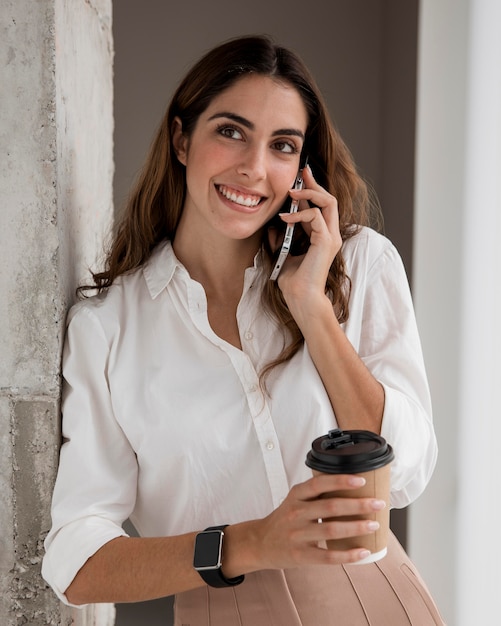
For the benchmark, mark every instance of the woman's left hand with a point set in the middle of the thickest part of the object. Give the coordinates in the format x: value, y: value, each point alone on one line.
x: 306, y: 275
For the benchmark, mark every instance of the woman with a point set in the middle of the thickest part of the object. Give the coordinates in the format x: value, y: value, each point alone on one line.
x: 195, y: 385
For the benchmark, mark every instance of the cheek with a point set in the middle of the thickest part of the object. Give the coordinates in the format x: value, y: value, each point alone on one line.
x: 284, y: 177
x: 287, y: 170
x: 209, y: 160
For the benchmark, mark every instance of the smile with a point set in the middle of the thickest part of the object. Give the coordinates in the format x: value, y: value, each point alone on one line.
x: 237, y: 197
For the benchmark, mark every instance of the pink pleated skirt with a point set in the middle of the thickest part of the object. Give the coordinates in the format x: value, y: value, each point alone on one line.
x: 389, y: 592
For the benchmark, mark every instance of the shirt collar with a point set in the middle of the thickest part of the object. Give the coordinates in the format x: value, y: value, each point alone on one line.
x: 160, y: 267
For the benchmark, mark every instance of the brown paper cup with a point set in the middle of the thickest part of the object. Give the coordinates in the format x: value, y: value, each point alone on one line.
x: 365, y: 454
x: 377, y: 486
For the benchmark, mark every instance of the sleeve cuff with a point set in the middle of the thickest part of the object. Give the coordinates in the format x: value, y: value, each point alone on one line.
x: 68, y: 550
x: 409, y: 430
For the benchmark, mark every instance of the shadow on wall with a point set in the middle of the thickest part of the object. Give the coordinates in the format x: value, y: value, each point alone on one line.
x: 154, y: 613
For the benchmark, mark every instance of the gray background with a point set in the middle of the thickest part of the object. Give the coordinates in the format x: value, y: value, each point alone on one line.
x: 363, y: 55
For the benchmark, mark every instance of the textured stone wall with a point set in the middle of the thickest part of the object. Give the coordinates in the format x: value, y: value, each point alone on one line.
x: 56, y: 171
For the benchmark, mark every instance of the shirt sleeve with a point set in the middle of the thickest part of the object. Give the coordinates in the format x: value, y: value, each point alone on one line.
x: 391, y: 349
x: 96, y: 483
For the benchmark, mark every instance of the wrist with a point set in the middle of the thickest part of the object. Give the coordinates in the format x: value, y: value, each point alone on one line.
x: 241, y: 549
x: 310, y: 308
x: 208, y: 558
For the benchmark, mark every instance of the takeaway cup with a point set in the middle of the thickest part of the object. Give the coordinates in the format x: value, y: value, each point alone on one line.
x: 366, y: 454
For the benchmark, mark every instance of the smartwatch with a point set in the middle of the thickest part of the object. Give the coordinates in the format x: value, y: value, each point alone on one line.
x: 207, y: 558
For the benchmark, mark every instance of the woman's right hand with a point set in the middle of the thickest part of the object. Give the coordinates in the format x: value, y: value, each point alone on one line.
x: 292, y: 535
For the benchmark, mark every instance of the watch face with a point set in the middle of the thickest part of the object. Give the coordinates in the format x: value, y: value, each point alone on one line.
x: 208, y: 546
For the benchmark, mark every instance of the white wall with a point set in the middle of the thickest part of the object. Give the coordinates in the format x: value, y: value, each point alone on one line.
x: 457, y: 261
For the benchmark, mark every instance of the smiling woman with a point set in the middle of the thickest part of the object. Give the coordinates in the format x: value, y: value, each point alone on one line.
x: 195, y: 384
x: 241, y: 160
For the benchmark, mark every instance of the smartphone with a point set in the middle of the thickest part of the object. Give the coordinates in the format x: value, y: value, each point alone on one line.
x: 289, y: 231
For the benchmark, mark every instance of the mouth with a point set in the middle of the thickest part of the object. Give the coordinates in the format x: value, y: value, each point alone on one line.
x: 240, y: 198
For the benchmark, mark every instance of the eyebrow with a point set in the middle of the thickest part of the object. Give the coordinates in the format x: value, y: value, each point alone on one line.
x: 292, y: 132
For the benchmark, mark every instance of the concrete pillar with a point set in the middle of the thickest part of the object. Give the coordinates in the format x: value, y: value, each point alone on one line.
x: 56, y: 172
x: 457, y: 290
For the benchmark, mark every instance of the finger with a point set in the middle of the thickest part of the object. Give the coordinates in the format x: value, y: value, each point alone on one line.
x: 327, y: 530
x: 310, y: 219
x: 314, y: 192
x: 310, y: 182
x: 304, y: 215
x: 325, y: 483
x: 309, y: 179
x: 327, y: 204
x: 324, y: 219
x: 318, y: 197
x: 329, y: 508
x: 318, y: 555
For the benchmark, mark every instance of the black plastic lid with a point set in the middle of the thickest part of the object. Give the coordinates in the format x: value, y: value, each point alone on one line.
x: 349, y: 452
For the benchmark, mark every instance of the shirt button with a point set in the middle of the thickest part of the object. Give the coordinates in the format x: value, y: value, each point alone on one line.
x: 253, y: 388
x: 270, y: 445
x: 249, y: 335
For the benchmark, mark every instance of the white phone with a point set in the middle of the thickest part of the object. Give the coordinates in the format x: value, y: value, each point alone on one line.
x: 289, y: 231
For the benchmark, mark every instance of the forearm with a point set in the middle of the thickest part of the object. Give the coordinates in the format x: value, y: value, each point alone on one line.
x: 131, y: 569
x: 137, y: 569
x: 356, y: 396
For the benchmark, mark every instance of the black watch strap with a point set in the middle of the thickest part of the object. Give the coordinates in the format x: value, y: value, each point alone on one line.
x: 214, y: 577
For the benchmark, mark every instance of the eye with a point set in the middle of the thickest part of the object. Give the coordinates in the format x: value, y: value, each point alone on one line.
x: 287, y: 147
x: 226, y: 130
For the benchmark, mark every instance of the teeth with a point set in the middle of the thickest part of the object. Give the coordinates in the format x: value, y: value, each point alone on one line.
x: 249, y: 201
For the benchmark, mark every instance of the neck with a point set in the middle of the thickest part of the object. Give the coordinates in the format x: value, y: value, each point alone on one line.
x: 218, y: 266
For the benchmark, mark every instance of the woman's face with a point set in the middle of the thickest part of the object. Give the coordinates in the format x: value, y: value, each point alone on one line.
x: 242, y: 157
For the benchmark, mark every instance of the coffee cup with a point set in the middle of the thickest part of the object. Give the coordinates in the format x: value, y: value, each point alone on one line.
x: 366, y: 454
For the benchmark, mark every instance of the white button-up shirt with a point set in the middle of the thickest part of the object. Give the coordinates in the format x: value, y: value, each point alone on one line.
x: 168, y: 424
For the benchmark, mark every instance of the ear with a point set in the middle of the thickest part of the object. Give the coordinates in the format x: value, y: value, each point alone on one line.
x: 179, y: 140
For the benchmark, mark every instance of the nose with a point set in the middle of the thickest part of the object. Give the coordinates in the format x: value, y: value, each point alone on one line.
x: 253, y: 163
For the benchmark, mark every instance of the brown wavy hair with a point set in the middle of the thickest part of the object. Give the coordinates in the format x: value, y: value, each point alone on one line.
x: 155, y: 204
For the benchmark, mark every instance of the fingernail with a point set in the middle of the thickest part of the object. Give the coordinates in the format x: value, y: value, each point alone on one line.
x: 372, y: 525
x: 363, y: 554
x: 377, y: 505
x: 357, y: 481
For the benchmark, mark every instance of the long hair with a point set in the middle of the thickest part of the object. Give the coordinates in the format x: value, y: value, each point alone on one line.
x: 156, y: 201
